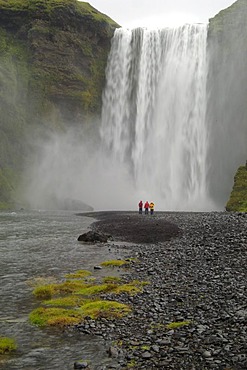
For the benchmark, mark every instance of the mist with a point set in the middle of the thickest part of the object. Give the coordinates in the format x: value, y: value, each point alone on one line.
x: 74, y: 165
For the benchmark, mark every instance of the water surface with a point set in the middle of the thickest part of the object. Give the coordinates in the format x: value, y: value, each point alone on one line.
x: 43, y: 244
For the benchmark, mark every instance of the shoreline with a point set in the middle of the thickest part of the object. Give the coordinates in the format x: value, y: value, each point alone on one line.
x: 196, y: 268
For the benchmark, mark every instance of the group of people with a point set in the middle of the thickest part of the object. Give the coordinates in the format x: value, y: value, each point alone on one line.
x: 146, y: 207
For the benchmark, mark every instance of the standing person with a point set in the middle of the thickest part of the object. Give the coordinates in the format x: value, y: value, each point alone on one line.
x: 140, y: 207
x: 146, y: 206
x: 151, y: 206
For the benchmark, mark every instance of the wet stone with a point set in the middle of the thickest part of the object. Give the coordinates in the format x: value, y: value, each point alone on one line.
x: 146, y: 355
x: 195, y: 276
x: 80, y: 365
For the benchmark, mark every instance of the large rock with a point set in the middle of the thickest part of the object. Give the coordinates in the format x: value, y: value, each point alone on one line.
x: 92, y: 237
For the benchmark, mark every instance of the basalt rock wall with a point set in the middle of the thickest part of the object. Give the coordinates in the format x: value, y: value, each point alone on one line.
x: 53, y: 55
x: 227, y: 98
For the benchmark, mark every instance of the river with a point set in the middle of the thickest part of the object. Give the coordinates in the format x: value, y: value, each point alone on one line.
x: 44, y: 244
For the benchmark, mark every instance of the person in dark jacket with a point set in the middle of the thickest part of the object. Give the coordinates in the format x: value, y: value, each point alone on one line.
x: 140, y: 207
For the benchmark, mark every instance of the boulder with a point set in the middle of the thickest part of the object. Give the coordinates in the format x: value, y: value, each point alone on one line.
x: 92, y: 237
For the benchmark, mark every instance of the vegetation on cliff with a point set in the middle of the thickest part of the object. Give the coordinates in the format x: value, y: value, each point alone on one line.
x: 238, y: 197
x: 53, y: 55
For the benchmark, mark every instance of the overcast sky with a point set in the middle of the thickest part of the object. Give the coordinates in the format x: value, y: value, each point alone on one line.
x: 159, y: 13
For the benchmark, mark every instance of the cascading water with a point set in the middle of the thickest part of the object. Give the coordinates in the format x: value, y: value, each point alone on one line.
x: 153, y: 116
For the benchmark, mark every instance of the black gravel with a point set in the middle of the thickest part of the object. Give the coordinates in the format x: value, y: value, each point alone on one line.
x: 196, y: 266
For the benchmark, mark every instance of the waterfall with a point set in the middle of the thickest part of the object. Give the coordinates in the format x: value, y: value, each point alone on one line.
x: 153, y: 115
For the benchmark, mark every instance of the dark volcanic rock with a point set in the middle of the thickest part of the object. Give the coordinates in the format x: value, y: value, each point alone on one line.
x: 197, y: 280
x: 136, y: 228
x: 92, y: 237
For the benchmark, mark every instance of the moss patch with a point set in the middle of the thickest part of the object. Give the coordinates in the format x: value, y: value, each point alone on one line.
x: 80, y: 274
x: 50, y: 6
x: 69, y: 301
x: 115, y: 263
x: 112, y: 280
x: 54, y: 316
x: 72, y: 300
x: 7, y: 345
x: 96, y: 289
x: 106, y: 309
x: 176, y: 325
x: 238, y: 197
x: 67, y: 287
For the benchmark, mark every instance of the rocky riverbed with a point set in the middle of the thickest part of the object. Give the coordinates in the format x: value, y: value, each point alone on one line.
x: 193, y: 313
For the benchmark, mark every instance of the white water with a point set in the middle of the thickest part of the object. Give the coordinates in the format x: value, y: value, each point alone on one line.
x: 153, y: 117
x: 153, y: 143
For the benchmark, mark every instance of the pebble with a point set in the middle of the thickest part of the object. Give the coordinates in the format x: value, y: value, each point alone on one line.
x: 197, y: 276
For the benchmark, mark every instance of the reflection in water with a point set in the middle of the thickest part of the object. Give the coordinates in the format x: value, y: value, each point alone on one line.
x: 34, y: 244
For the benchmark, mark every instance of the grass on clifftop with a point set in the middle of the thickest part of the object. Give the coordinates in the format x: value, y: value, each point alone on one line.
x: 238, y: 197
x: 48, y: 6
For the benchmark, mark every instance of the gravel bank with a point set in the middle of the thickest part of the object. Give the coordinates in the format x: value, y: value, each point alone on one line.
x: 197, y: 269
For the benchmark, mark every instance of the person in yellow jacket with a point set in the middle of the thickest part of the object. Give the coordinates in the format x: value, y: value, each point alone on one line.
x: 151, y: 206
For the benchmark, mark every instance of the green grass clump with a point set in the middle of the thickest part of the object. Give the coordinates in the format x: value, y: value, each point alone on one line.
x: 115, y: 263
x: 131, y: 364
x: 80, y: 274
x: 105, y: 309
x: 112, y: 280
x: 131, y: 289
x: 68, y: 301
x: 176, y: 325
x: 44, y: 291
x: 238, y: 197
x: 67, y: 287
x: 54, y: 316
x: 7, y: 345
x: 96, y: 289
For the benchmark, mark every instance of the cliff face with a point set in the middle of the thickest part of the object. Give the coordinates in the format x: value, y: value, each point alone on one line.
x: 53, y: 55
x: 227, y: 96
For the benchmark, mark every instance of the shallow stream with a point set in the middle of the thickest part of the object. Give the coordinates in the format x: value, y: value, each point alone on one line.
x: 44, y: 244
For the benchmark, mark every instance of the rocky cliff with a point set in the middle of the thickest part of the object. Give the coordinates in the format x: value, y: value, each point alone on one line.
x: 227, y: 96
x: 53, y: 55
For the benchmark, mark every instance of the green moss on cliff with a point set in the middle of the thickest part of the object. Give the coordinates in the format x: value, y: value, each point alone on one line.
x: 50, y: 6
x: 53, y: 55
x: 14, y: 74
x: 8, y: 182
x: 238, y: 197
x: 69, y: 41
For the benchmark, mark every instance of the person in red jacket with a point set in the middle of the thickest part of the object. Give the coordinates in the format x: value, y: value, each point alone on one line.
x: 146, y: 206
x: 140, y: 207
